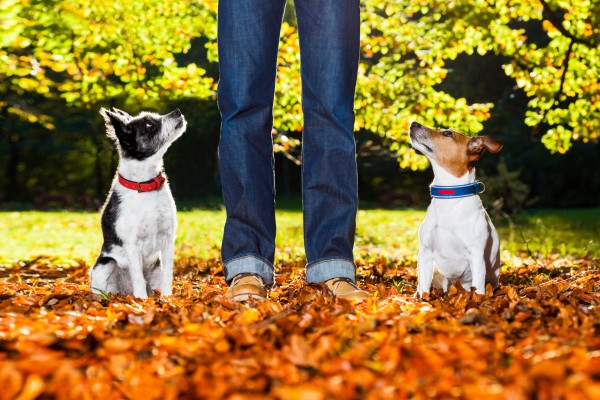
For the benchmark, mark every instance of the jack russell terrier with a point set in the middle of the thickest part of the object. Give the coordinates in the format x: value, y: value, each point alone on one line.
x: 139, y: 216
x: 457, y: 240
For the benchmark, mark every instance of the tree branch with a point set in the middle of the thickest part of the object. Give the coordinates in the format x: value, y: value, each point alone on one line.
x: 559, y: 91
x: 555, y: 20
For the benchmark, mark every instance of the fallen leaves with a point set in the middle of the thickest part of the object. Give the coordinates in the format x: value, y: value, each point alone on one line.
x: 537, y: 335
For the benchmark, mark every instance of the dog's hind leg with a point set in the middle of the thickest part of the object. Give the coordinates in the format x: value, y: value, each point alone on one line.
x: 492, y: 257
x: 124, y: 284
x: 104, y: 275
x: 439, y: 281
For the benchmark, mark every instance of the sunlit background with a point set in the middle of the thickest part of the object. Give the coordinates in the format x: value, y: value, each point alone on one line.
x: 523, y: 72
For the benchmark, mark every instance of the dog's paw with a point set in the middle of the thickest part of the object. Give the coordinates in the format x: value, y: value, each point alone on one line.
x: 140, y: 294
x: 166, y: 289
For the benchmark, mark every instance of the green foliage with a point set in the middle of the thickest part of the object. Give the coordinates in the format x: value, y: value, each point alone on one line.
x: 88, y: 52
x: 561, y: 77
x: 97, y: 52
x: 406, y: 46
x: 60, y: 60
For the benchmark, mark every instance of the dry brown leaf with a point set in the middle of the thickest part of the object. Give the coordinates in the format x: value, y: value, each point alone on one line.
x: 521, y: 340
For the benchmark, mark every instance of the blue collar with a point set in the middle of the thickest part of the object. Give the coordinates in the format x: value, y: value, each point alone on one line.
x: 454, y: 192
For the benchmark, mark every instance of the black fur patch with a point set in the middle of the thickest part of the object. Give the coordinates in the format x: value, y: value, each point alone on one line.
x: 141, y: 138
x: 138, y: 138
x: 104, y: 260
x: 109, y: 220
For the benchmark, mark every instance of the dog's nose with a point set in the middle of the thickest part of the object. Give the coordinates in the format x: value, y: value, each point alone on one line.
x: 176, y: 112
x: 415, y: 125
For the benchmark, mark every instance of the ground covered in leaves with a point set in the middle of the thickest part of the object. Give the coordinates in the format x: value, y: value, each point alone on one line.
x: 536, y: 336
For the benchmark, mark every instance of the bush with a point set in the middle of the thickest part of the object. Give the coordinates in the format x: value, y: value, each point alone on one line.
x: 504, y: 192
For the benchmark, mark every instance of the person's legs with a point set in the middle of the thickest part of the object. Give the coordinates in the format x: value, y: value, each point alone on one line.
x: 329, y: 46
x: 248, y: 40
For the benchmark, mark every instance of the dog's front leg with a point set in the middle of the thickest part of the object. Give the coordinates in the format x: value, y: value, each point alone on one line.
x: 166, y: 261
x: 424, y: 270
x: 136, y: 273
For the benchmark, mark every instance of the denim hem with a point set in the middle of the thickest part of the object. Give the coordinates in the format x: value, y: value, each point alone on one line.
x: 248, y: 263
x: 329, y: 268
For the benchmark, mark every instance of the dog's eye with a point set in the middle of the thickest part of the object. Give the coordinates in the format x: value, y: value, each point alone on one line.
x: 446, y: 133
x: 149, y: 124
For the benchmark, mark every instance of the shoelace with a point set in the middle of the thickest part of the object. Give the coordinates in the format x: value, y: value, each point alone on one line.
x: 336, y: 281
x: 245, y: 274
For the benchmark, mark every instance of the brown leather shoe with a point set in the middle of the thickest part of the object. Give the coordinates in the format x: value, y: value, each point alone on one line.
x: 344, y: 288
x: 245, y: 286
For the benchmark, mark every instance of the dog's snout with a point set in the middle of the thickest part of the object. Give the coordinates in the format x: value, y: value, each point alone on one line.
x: 176, y: 113
x: 415, y: 125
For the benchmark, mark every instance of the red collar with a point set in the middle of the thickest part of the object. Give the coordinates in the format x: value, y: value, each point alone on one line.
x: 148, y: 186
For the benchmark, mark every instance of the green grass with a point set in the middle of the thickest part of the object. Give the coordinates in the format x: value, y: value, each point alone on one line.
x: 546, y: 233
x: 391, y: 234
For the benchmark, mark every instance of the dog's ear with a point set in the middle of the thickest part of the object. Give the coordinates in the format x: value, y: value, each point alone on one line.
x: 122, y: 113
x: 478, y: 144
x: 116, y: 124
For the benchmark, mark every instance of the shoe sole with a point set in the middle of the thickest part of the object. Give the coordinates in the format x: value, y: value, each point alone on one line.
x: 244, y: 297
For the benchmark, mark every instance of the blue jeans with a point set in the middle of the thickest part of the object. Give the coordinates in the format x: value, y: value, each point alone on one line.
x: 248, y: 39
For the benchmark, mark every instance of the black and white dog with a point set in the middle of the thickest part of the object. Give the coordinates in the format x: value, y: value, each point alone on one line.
x: 138, y: 218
